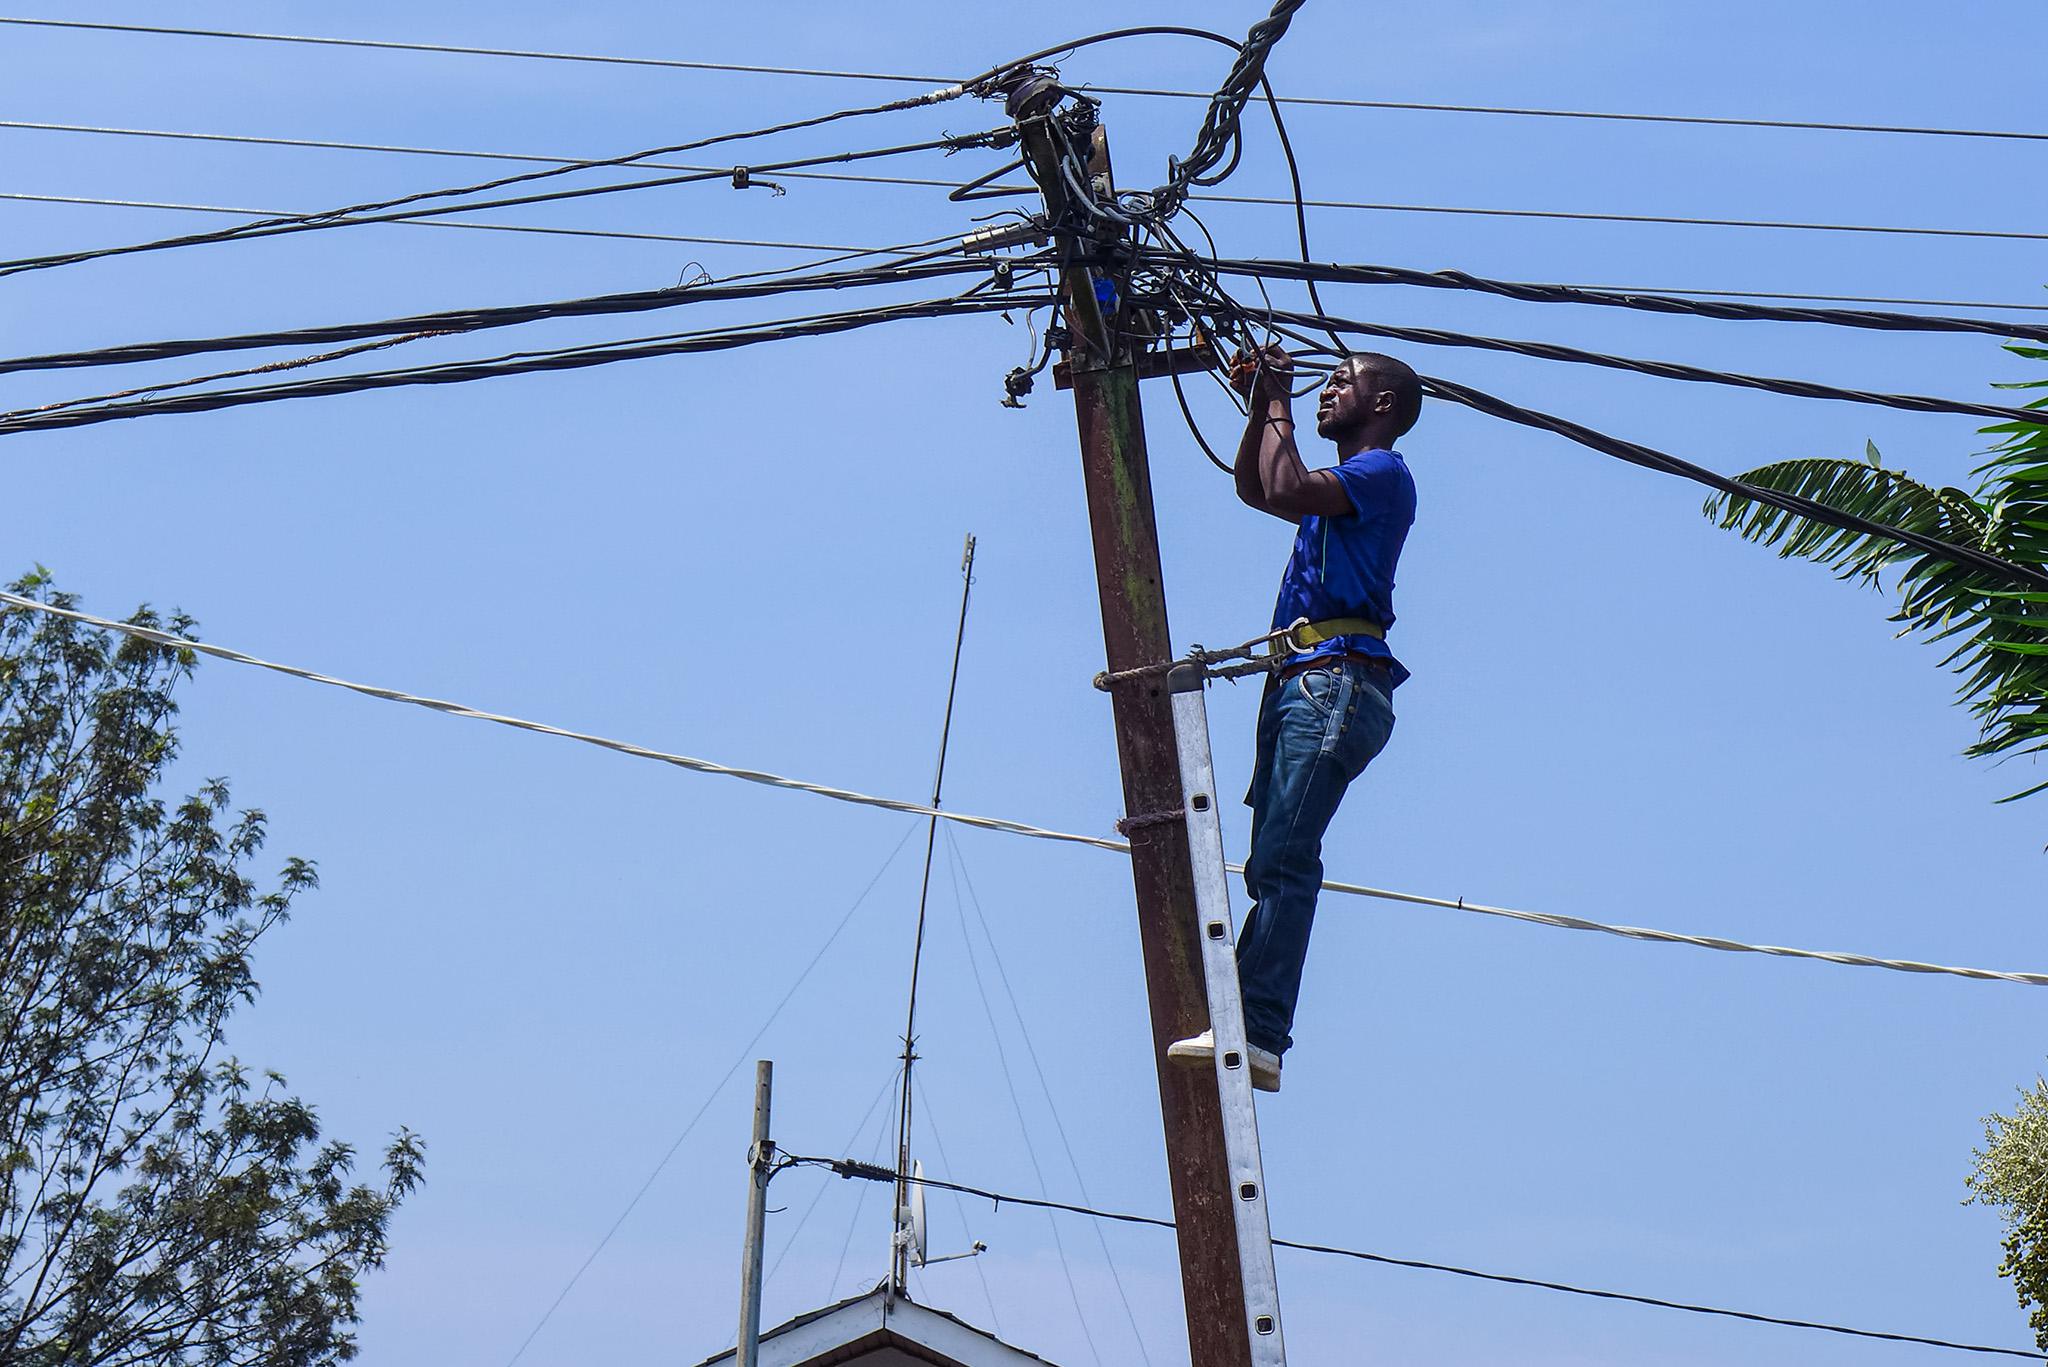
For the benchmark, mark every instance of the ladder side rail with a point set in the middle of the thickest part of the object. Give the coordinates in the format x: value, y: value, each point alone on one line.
x: 1226, y: 1016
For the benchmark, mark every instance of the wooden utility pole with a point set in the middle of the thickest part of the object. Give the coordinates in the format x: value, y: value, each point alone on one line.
x: 1104, y: 370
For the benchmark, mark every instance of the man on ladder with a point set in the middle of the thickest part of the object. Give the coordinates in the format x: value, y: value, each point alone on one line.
x: 1328, y: 709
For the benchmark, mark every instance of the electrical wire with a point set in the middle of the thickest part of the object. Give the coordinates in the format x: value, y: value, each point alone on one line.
x: 848, y: 177
x: 1818, y: 298
x: 1587, y: 216
x: 1220, y: 135
x: 520, y: 363
x: 1529, y: 292
x: 2029, y: 576
x: 860, y: 1204
x: 726, y: 1343
x: 888, y: 1086
x: 745, y: 1052
x: 356, y: 215
x: 867, y: 1172
x: 615, y: 234
x: 1636, y: 454
x: 1001, y: 825
x: 323, y: 144
x: 1665, y: 370
x: 372, y: 211
x: 918, y: 267
x: 2006, y: 570
x: 1304, y: 101
x: 292, y: 363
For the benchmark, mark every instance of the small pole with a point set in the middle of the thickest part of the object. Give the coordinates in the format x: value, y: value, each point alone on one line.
x: 760, y: 1158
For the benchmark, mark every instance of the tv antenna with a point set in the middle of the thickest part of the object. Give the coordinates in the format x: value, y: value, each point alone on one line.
x: 907, y: 1239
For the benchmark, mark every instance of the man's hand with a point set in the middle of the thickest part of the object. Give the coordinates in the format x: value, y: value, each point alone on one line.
x: 1265, y: 376
x: 1270, y: 475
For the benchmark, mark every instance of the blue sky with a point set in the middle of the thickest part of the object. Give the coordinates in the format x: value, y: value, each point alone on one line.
x: 544, y: 957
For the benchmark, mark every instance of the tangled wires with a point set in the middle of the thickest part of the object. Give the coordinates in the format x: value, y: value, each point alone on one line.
x: 1220, y: 136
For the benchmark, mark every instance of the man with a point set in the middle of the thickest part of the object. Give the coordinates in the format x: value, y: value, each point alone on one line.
x: 1329, y: 709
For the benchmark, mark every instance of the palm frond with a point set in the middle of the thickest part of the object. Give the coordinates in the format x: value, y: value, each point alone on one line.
x: 1866, y: 489
x: 1997, y: 638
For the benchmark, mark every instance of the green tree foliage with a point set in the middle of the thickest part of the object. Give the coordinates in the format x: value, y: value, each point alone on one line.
x: 1996, y: 634
x: 2012, y: 1175
x: 158, y: 1204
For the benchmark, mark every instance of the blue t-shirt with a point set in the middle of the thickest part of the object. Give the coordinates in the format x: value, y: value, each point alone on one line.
x: 1344, y: 566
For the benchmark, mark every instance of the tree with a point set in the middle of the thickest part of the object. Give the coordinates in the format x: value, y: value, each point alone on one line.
x: 1997, y: 633
x: 159, y: 1204
x: 2012, y: 1175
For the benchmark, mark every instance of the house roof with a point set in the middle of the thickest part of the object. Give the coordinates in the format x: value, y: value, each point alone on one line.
x: 884, y: 1328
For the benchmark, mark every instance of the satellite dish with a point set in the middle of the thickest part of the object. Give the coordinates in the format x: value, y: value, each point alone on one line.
x: 917, y: 1220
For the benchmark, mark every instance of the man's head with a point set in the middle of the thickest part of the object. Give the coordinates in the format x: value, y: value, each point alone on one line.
x: 1371, y: 400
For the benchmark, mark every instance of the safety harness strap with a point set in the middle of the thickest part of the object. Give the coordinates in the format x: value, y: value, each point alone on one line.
x: 1308, y: 634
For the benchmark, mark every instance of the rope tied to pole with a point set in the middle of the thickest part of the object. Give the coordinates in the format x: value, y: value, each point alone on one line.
x: 1129, y: 826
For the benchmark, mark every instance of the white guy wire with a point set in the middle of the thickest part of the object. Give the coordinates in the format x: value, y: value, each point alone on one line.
x: 1007, y: 827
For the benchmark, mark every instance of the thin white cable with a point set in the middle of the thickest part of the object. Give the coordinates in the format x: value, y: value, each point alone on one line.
x: 1007, y: 827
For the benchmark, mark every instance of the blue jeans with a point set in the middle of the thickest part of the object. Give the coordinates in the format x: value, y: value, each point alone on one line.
x: 1317, y: 732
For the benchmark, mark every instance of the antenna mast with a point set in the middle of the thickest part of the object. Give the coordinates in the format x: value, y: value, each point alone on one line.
x: 900, y: 1238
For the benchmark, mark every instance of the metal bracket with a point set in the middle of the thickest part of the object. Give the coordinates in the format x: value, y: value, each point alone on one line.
x: 1151, y: 365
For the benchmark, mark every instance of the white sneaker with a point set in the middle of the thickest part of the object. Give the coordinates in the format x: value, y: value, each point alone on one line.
x: 1200, y: 1052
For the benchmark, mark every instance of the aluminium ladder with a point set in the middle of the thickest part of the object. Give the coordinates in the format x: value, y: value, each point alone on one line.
x: 1226, y: 1014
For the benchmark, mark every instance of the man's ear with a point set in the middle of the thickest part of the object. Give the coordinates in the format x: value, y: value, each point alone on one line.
x: 1383, y: 402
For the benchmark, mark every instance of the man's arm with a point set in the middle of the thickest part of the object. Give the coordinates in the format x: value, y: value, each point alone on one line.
x: 1250, y: 491
x: 1270, y: 474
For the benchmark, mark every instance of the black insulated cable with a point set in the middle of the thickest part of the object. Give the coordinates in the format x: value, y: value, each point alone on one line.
x: 1664, y: 370
x: 916, y: 181
x: 2027, y: 576
x: 1875, y: 320
x: 521, y: 363
x: 353, y: 217
x: 908, y: 271
x: 871, y: 1172
x: 611, y: 234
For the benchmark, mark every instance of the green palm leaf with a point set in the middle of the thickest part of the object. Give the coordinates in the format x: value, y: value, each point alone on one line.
x: 1998, y: 638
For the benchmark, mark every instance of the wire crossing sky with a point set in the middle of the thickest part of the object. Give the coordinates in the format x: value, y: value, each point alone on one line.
x: 999, y: 824
x: 1310, y: 101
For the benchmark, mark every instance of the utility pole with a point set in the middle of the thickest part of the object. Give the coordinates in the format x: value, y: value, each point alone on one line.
x: 760, y: 1164
x: 1105, y: 369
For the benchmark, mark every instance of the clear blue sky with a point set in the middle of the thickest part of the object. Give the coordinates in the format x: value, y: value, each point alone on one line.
x: 543, y: 957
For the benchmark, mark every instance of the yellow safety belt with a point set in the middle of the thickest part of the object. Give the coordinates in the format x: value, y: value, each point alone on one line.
x: 1315, y: 633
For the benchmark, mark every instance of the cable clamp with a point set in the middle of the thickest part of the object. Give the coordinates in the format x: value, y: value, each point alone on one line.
x: 743, y: 179
x: 997, y: 138
x: 1029, y: 233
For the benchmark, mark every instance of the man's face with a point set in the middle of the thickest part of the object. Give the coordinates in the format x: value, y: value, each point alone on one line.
x: 1346, y: 402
